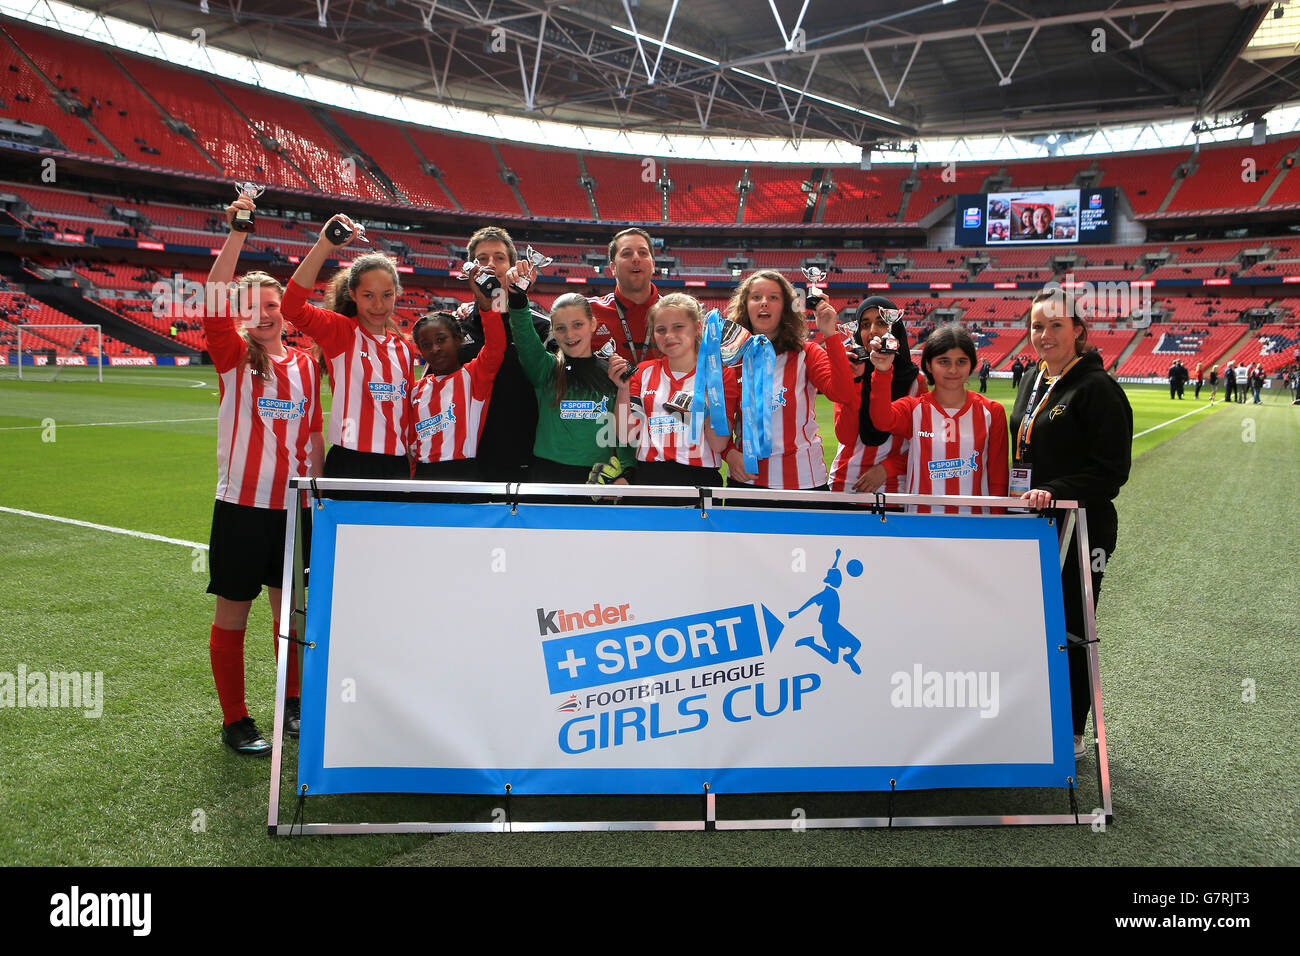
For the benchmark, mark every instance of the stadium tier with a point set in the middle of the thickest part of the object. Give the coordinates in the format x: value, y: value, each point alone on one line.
x: 548, y: 181
x: 219, y: 128
x: 992, y: 345
x: 289, y: 127
x: 470, y: 170
x: 703, y: 193
x: 940, y: 182
x: 1229, y: 176
x: 1041, y: 173
x: 872, y: 195
x: 1110, y: 343
x: 113, y: 102
x: 622, y: 191
x: 1274, y: 346
x: 125, y: 103
x: 19, y: 309
x: 1145, y: 177
x: 384, y: 143
x: 776, y: 196
x: 28, y: 99
x: 1162, y: 344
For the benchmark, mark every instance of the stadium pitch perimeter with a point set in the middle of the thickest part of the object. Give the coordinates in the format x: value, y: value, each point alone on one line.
x: 1198, y: 624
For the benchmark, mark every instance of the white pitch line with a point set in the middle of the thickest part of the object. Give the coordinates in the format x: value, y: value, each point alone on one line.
x: 1172, y: 420
x: 105, y: 527
x: 151, y: 421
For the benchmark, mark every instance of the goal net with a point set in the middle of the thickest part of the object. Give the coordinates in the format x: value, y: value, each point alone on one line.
x: 51, y: 353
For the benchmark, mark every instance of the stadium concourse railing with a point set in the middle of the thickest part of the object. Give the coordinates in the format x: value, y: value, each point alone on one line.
x: 1069, y: 517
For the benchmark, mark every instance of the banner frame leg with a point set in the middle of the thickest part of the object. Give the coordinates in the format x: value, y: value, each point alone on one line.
x: 292, y: 575
x: 1094, y: 666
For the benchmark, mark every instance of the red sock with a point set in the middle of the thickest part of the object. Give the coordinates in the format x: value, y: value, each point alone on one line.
x: 226, y: 649
x: 293, y: 683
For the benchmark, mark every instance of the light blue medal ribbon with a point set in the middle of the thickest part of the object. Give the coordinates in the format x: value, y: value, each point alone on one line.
x: 758, y: 366
x: 708, y: 397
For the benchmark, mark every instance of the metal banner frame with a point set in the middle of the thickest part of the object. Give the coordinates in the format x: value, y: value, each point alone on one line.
x: 511, y: 494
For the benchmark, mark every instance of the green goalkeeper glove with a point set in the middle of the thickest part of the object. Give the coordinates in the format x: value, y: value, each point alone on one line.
x: 605, y: 473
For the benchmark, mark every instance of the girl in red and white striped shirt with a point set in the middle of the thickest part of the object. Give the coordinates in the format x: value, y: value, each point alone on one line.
x: 370, y: 361
x: 959, y: 437
x: 665, y: 453
x: 268, y: 431
x: 869, y: 459
x: 449, y: 404
x: 764, y: 303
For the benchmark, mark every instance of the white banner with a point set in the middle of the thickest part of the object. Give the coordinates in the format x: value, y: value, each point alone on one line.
x: 603, y: 649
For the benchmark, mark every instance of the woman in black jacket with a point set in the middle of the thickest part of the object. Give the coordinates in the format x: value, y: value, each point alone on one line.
x: 1073, y: 426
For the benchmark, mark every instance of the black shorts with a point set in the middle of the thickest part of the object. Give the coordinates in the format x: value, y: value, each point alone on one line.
x: 672, y: 473
x: 458, y: 469
x: 814, y: 505
x: 343, y: 462
x: 246, y: 549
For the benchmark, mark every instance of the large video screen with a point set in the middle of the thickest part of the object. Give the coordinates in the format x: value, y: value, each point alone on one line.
x: 1035, y: 217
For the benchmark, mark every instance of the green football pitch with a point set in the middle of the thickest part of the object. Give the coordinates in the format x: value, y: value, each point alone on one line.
x: 1198, y: 621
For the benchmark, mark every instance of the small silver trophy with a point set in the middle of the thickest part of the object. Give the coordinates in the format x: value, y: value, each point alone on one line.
x: 733, y: 339
x: 816, y: 278
x: 679, y: 403
x: 339, y: 233
x: 539, y: 262
x: 607, y: 351
x: 888, y: 343
x: 850, y: 332
x: 486, y: 279
x: 243, y: 221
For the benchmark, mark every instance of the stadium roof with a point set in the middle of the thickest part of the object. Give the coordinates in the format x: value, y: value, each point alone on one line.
x: 888, y: 72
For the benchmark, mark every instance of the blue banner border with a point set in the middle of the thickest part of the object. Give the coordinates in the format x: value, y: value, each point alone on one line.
x: 669, y: 781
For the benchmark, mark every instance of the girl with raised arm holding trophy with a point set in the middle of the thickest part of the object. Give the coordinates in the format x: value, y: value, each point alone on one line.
x: 869, y: 458
x: 268, y: 431
x: 779, y: 444
x: 370, y: 361
x: 674, y: 446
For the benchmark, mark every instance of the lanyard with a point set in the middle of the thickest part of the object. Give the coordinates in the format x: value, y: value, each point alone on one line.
x: 627, y: 329
x: 1033, y: 407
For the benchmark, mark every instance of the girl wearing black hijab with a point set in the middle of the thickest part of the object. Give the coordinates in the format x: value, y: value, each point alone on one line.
x: 869, y: 459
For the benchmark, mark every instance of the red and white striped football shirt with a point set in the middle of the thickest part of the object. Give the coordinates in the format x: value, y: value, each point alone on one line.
x: 370, y: 377
x: 665, y: 435
x: 854, y: 456
x: 952, y: 454
x: 797, y: 460
x: 448, y: 411
x: 264, y: 427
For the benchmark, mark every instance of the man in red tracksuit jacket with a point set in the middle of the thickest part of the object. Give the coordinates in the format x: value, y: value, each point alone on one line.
x: 621, y: 315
